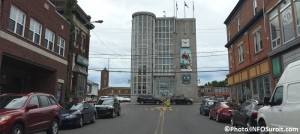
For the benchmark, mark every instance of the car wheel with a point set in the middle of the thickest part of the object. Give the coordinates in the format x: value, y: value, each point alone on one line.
x: 174, y: 103
x: 232, y: 122
x: 157, y: 102
x: 17, y: 129
x: 262, y: 124
x: 142, y: 102
x: 80, y: 122
x: 119, y: 112
x: 188, y: 103
x: 113, y: 114
x: 54, y: 127
x: 94, y: 118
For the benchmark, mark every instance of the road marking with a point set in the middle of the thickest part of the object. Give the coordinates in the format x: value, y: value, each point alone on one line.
x: 161, y: 120
x: 146, y: 109
x: 158, y: 123
x: 152, y: 108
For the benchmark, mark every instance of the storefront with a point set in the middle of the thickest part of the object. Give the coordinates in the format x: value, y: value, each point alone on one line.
x: 79, y: 80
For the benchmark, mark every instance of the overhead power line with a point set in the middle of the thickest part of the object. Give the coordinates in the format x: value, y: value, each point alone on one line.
x: 209, y: 71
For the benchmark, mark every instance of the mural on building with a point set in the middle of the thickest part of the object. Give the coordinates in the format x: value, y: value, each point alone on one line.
x: 186, y: 59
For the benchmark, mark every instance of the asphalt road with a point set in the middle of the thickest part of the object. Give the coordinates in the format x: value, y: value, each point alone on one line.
x: 153, y: 119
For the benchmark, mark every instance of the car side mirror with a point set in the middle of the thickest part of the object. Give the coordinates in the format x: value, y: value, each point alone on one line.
x: 32, y: 106
x: 267, y: 101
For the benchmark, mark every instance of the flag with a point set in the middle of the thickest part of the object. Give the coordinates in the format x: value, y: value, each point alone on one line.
x: 186, y: 5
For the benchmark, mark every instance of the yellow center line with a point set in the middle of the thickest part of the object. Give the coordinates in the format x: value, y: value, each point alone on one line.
x: 161, y: 120
x: 162, y: 123
x: 158, y: 123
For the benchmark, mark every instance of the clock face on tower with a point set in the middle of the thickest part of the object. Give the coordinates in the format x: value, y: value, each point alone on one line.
x: 185, y: 42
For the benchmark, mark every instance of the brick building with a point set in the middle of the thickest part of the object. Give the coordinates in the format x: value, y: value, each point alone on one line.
x: 115, y: 91
x: 105, y: 90
x: 213, y: 91
x: 261, y: 44
x: 33, y: 49
x: 78, y: 57
x: 248, y: 47
x: 283, y: 21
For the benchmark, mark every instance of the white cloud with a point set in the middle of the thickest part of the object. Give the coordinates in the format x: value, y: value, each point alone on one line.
x: 113, y: 36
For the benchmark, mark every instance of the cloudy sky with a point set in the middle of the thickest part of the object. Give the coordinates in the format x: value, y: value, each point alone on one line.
x: 110, y: 42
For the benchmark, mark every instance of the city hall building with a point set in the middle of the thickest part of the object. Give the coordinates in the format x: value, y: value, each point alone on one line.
x: 163, y: 56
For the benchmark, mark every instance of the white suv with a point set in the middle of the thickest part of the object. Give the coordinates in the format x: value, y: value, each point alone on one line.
x: 283, y: 108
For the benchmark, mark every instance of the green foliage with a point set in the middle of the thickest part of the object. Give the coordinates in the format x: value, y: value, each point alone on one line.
x: 215, y: 83
x: 70, y: 4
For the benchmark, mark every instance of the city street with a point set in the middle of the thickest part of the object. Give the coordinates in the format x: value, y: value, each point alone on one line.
x: 153, y: 119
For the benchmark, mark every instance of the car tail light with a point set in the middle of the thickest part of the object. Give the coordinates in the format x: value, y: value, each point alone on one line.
x: 254, y: 113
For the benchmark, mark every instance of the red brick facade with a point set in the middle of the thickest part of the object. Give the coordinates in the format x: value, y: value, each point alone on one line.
x: 18, y: 52
x: 245, y: 75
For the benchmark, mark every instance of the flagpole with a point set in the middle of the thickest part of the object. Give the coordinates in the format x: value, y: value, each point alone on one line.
x: 193, y: 10
x: 174, y: 7
x: 184, y: 9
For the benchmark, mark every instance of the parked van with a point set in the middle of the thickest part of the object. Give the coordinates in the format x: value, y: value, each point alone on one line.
x: 283, y: 108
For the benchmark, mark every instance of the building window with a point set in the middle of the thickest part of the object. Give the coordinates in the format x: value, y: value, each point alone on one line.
x: 83, y: 42
x: 230, y: 59
x: 261, y: 87
x: 35, y: 31
x: 287, y: 24
x: 239, y: 23
x: 17, y: 20
x: 241, y: 53
x: 61, y: 46
x: 257, y: 41
x: 254, y: 7
x: 275, y: 29
x: 49, y: 39
x: 297, y: 13
x: 76, y: 37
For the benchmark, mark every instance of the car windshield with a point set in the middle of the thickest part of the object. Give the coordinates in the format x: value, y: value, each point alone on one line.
x: 106, y: 102
x: 74, y: 106
x: 12, y: 102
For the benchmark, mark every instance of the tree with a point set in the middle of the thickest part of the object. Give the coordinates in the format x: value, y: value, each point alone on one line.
x: 216, y: 83
x: 69, y: 7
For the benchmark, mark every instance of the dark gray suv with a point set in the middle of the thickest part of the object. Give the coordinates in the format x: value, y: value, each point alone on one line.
x: 108, y: 107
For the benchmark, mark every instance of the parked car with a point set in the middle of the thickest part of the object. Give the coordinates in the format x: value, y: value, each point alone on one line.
x: 120, y: 98
x: 143, y: 99
x: 221, y: 111
x: 205, y: 106
x: 77, y: 114
x: 181, y: 100
x: 29, y: 113
x: 245, y: 115
x: 126, y: 98
x: 282, y: 110
x: 108, y: 107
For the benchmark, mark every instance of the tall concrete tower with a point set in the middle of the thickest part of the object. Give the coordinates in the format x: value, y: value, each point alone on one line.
x: 163, y: 56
